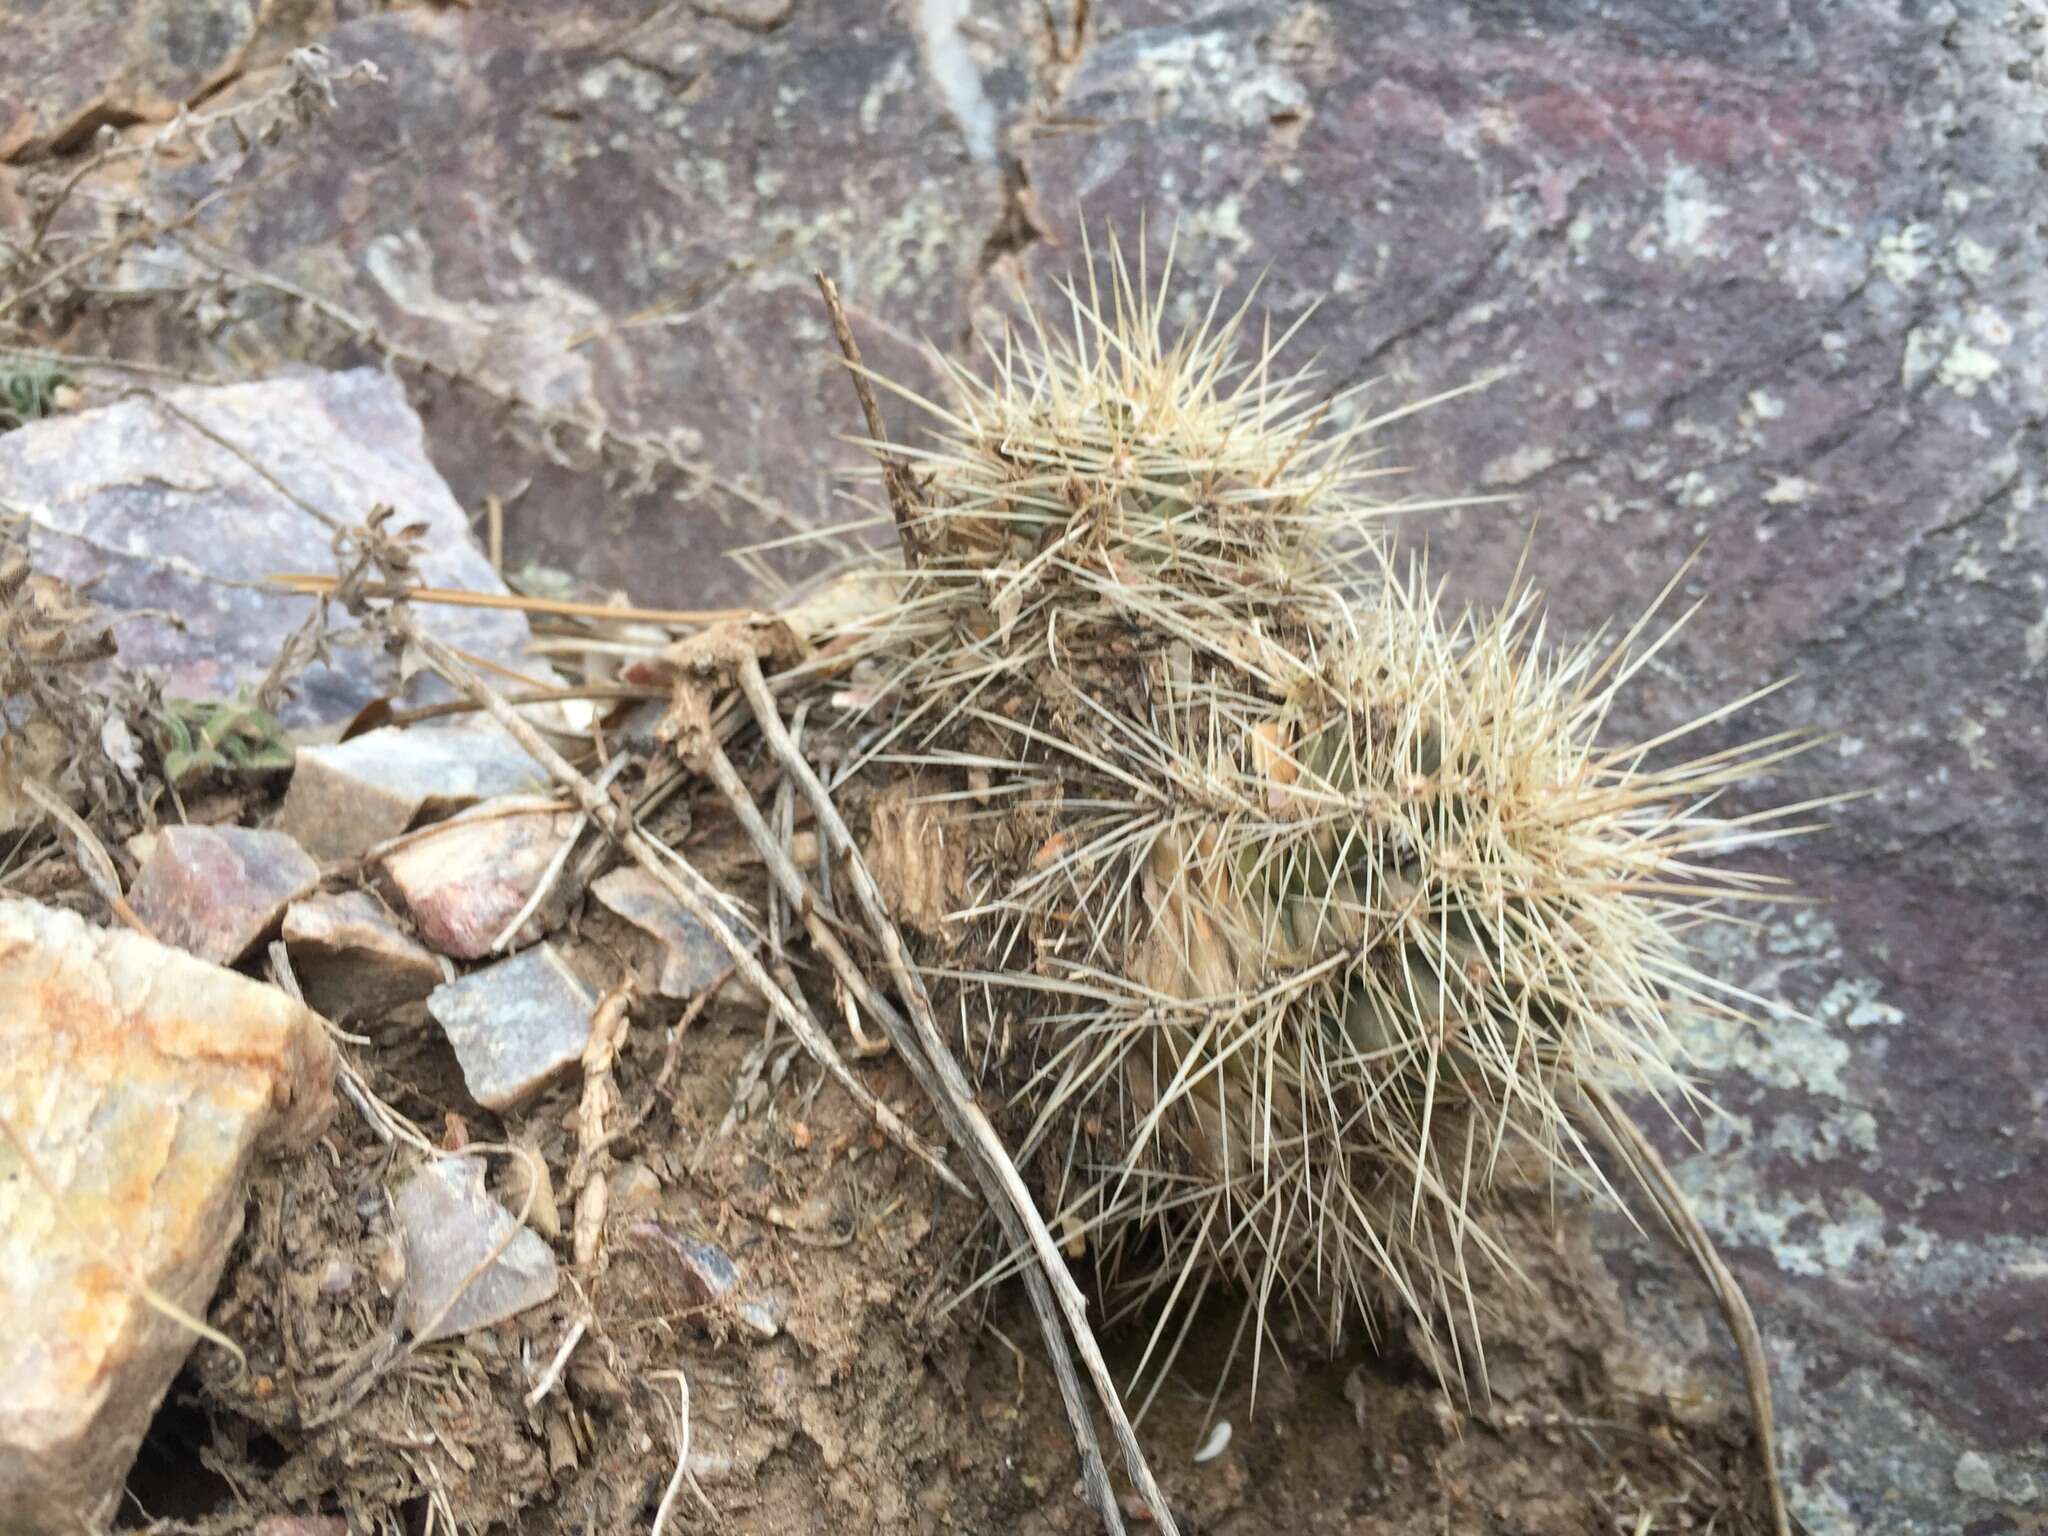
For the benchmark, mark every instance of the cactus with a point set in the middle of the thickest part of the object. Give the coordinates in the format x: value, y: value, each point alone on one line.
x: 1298, y: 915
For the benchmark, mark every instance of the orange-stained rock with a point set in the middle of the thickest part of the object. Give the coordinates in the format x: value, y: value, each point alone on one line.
x: 142, y: 1081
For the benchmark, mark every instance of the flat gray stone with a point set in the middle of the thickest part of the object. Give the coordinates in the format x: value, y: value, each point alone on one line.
x: 352, y: 960
x: 219, y: 891
x: 347, y: 797
x: 516, y: 1026
x: 450, y: 1225
x: 164, y: 518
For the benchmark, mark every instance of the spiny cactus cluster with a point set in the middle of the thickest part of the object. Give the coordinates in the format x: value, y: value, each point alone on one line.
x: 1299, y: 914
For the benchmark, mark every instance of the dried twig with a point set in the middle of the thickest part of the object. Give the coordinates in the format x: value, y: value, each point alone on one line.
x: 556, y: 865
x: 943, y: 1079
x: 307, y: 583
x: 600, y: 1096
x: 553, y: 1373
x: 895, y: 473
x: 682, y: 1473
x: 1642, y: 1159
x: 93, y: 860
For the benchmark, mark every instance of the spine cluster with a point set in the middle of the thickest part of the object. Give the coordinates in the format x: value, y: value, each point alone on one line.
x: 1308, y: 911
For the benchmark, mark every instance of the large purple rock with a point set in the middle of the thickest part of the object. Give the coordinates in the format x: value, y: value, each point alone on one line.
x: 630, y: 204
x: 1775, y: 280
x: 71, y: 65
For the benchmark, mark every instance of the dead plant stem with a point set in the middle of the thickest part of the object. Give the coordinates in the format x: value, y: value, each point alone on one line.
x: 947, y: 1084
x: 1642, y: 1159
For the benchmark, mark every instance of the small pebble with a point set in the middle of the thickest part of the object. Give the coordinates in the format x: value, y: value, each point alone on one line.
x: 1973, y: 1475
x: 451, y: 1226
x: 516, y: 1026
x: 763, y: 1319
x: 706, y: 1272
x: 346, y: 798
x: 338, y: 1278
x: 692, y: 957
x: 219, y: 891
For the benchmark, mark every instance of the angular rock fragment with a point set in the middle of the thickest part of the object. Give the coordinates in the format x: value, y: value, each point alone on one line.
x: 707, y: 1277
x: 346, y: 798
x: 142, y: 1082
x: 352, y: 960
x: 705, y: 1272
x: 463, y: 882
x: 516, y: 1026
x: 692, y: 958
x: 634, y: 1188
x: 450, y: 1226
x: 219, y: 891
x: 763, y: 1319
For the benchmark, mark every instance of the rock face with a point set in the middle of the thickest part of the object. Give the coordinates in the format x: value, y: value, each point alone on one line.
x: 165, y: 518
x: 644, y: 198
x: 69, y: 66
x: 1806, y: 326
x: 142, y: 1082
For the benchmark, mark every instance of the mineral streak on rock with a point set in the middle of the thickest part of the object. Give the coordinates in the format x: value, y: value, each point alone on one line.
x: 142, y: 1082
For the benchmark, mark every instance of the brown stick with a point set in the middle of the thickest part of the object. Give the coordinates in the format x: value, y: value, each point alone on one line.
x: 311, y: 584
x: 1094, y: 1474
x: 1629, y: 1143
x: 895, y: 474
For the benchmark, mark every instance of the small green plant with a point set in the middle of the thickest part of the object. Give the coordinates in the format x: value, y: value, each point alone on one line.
x: 201, y: 736
x: 28, y: 389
